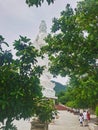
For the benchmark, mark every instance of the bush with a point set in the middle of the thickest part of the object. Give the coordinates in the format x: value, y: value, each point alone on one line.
x: 45, y: 109
x: 96, y: 111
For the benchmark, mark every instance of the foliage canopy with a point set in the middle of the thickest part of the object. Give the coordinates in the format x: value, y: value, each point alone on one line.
x: 73, y: 50
x: 19, y: 81
x: 37, y: 2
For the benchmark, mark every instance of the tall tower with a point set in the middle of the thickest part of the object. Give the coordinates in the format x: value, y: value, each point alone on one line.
x: 48, y: 87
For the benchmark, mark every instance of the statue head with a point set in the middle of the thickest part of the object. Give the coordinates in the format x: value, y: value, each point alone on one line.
x: 43, y: 27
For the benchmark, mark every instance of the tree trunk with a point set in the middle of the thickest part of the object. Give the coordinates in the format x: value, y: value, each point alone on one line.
x: 8, y: 124
x: 46, y: 126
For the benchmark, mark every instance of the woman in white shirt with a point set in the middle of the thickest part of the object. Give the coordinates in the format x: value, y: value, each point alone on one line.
x: 85, y: 122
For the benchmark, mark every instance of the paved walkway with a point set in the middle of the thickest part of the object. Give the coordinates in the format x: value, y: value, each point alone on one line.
x: 66, y: 121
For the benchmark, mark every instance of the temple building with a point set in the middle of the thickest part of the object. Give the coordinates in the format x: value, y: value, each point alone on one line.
x: 48, y: 87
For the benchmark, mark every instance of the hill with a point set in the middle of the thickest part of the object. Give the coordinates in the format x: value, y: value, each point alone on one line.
x: 58, y: 87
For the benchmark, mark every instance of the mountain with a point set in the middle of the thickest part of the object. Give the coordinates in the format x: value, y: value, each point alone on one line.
x: 58, y: 87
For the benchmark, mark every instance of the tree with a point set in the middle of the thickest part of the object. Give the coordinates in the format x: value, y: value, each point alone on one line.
x: 19, y: 79
x: 38, y: 2
x: 72, y: 46
x: 46, y: 108
x: 63, y: 46
x: 80, y: 93
x: 19, y: 82
x: 69, y: 44
x: 62, y: 98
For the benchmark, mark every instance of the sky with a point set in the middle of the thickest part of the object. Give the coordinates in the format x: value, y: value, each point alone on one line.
x: 16, y: 18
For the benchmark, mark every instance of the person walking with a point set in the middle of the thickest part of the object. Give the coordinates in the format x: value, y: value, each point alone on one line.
x: 88, y: 116
x: 81, y: 119
x: 85, y: 122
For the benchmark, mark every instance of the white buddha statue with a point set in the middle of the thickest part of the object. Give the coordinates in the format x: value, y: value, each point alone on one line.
x: 48, y: 86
